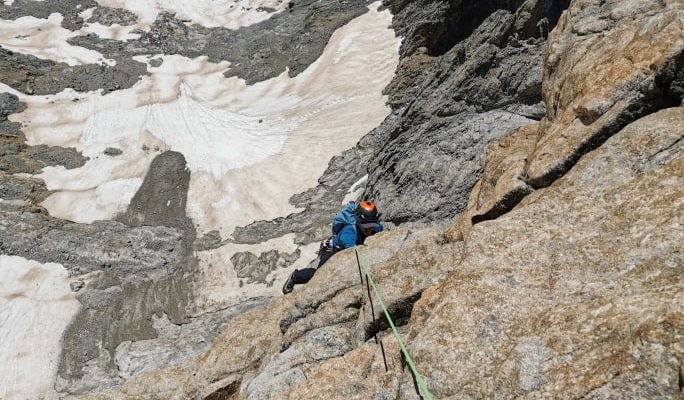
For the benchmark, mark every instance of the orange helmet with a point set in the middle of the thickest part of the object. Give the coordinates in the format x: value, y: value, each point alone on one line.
x: 367, y: 214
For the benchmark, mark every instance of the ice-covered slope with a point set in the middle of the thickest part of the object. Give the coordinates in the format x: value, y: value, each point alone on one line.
x: 36, y: 304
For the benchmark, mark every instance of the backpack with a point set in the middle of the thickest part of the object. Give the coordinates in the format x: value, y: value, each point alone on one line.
x: 346, y: 216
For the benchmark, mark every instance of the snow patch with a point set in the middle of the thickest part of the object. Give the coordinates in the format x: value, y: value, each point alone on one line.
x: 36, y: 305
x: 230, y: 14
x: 220, y: 284
x: 112, y: 32
x: 46, y: 39
x: 250, y: 148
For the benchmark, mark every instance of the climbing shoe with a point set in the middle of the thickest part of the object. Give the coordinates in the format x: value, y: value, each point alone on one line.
x: 289, y: 283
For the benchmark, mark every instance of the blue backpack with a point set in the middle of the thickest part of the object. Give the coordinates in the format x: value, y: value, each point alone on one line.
x: 346, y: 216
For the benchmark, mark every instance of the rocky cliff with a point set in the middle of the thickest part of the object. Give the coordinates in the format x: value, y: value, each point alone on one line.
x: 531, y: 170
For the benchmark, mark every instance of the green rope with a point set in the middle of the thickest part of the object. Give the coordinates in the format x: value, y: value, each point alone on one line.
x: 409, y: 360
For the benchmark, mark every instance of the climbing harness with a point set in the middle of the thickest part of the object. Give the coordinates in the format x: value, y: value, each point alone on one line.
x: 369, y: 283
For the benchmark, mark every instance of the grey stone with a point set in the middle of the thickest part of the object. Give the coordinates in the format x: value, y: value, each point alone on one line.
x: 10, y: 104
x: 35, y: 76
x: 208, y: 241
x: 162, y: 197
x: 256, y: 269
x: 434, y: 184
x: 174, y: 342
x: 156, y: 62
x: 13, y: 187
x: 76, y: 286
x: 68, y: 8
x: 111, y: 16
x: 112, y: 151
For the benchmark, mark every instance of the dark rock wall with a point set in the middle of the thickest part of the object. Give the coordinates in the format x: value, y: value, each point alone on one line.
x: 449, y: 103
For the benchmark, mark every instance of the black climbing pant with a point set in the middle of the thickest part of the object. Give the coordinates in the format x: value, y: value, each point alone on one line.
x: 300, y: 276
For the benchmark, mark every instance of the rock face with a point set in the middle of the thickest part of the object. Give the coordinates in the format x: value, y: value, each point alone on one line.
x: 578, y: 290
x: 463, y: 82
x: 566, y: 286
x: 550, y: 143
x: 163, y: 195
x: 641, y: 57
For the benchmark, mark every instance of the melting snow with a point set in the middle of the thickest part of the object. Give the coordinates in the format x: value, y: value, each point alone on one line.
x: 46, y: 39
x: 249, y: 147
x: 36, y: 304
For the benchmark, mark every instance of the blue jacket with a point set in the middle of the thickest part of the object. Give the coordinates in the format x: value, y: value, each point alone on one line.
x: 349, y: 236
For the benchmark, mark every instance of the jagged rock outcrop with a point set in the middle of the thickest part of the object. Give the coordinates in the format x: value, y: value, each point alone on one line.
x: 588, y: 99
x: 471, y: 72
x: 639, y: 51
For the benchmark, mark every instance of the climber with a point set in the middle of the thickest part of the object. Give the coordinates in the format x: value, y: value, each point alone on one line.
x: 351, y: 226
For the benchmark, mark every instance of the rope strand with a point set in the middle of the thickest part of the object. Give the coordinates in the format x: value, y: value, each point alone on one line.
x: 370, y: 299
x: 409, y: 360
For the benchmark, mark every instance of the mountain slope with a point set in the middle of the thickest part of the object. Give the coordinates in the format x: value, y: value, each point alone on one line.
x: 532, y: 181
